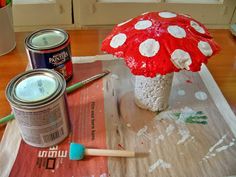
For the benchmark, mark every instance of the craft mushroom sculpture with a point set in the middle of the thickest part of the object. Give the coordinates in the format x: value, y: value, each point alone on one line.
x: 154, y: 46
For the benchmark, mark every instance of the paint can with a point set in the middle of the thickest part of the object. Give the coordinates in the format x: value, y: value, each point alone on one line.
x: 50, y: 48
x: 39, y: 101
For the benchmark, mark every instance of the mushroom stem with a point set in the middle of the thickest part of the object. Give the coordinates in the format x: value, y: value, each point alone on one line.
x: 153, y: 93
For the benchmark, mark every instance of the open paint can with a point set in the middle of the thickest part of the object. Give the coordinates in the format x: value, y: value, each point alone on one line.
x: 50, y: 48
x: 39, y: 101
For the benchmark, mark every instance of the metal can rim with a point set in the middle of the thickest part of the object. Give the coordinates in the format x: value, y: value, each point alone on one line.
x: 37, y: 104
x: 32, y: 48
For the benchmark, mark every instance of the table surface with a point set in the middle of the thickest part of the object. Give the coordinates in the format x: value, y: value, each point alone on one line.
x: 87, y: 43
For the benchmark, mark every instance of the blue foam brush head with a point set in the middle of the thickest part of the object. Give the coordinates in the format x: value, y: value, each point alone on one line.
x: 76, y: 151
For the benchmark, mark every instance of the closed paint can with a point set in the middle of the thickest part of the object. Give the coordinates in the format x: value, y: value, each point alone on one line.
x: 38, y: 100
x: 50, y: 48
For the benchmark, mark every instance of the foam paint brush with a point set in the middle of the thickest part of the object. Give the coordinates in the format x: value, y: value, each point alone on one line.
x: 69, y: 90
x: 78, y: 152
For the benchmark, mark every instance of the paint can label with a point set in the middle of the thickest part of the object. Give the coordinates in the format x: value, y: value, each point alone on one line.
x: 50, y: 48
x: 58, y: 60
x: 38, y: 100
x: 43, y: 127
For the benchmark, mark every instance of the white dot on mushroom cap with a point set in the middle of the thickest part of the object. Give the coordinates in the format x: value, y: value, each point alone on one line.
x: 167, y: 14
x: 144, y: 24
x: 149, y: 47
x: 176, y: 31
x: 197, y: 27
x: 205, y: 48
x: 118, y: 40
x: 181, y: 59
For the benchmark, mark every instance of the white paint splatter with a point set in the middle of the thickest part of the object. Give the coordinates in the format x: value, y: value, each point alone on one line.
x: 189, y: 139
x: 128, y: 125
x: 214, y: 148
x: 213, y: 155
x: 114, y: 76
x: 143, y: 132
x: 181, y: 92
x: 218, y: 143
x: 200, y: 95
x: 159, y: 163
x: 159, y: 138
x: 103, y: 175
x: 185, y: 113
x: 170, y: 129
x: 185, y: 134
x: 224, y: 147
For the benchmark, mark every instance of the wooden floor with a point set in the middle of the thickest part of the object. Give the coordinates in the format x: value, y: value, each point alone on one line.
x: 87, y: 42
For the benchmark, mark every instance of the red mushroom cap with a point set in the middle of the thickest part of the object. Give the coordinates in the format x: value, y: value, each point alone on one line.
x: 160, y: 43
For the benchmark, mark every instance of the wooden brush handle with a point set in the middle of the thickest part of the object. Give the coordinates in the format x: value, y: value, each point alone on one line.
x: 107, y: 152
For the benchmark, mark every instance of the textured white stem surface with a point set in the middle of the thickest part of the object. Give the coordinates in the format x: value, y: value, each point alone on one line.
x: 153, y: 93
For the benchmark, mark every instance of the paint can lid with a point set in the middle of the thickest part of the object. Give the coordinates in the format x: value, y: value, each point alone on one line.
x: 46, y: 39
x: 35, y: 88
